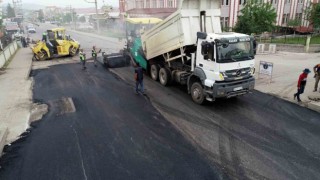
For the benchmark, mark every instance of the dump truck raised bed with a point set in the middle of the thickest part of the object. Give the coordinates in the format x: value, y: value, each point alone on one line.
x: 189, y: 48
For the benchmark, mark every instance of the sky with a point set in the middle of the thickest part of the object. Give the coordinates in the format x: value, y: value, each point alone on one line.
x: 64, y: 3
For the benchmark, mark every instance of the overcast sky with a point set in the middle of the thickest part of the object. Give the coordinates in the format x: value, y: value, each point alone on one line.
x: 63, y: 3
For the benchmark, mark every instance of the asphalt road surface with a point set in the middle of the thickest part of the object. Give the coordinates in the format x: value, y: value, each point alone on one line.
x: 256, y: 136
x: 114, y: 133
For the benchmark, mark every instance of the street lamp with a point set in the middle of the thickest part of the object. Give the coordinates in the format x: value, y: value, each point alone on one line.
x: 95, y: 2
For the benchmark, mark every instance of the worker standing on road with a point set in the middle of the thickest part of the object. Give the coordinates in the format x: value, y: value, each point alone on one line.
x: 138, y: 75
x: 94, y: 55
x: 316, y: 70
x: 301, y: 84
x: 82, y: 59
x: 44, y: 36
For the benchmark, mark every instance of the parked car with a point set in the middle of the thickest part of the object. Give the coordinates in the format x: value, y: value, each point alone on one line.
x: 31, y: 30
x: 17, y: 35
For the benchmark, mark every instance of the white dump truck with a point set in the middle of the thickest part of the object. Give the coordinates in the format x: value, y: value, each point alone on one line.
x: 189, y: 48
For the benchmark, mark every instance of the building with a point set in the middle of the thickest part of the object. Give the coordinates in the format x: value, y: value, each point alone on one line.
x: 230, y: 10
x: 285, y: 9
x: 148, y: 8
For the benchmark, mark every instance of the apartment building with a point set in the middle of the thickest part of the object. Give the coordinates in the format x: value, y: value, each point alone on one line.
x: 286, y: 10
x: 148, y: 8
x: 230, y: 10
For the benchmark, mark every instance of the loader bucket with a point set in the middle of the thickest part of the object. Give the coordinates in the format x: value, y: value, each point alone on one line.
x: 116, y: 60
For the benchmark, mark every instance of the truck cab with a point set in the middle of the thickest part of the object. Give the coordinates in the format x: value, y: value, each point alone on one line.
x: 224, y: 63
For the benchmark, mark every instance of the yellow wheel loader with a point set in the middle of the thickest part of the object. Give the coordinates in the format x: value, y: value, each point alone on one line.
x: 55, y: 43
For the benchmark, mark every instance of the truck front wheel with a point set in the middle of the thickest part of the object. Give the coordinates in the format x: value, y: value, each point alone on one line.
x: 164, y: 76
x: 197, y: 93
x: 154, y: 72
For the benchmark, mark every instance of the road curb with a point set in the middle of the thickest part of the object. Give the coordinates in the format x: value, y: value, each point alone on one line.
x: 314, y: 106
x: 3, y: 137
x: 29, y: 71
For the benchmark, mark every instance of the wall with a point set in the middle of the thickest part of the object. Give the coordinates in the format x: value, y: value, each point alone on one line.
x: 6, y: 54
x: 294, y: 48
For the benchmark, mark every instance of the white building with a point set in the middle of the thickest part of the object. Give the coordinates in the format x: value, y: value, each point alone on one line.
x: 230, y: 9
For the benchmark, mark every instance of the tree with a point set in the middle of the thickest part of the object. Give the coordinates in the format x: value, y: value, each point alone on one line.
x: 10, y: 12
x: 256, y: 18
x: 67, y: 18
x: 82, y: 19
x: 41, y: 15
x: 312, y: 14
x: 294, y: 22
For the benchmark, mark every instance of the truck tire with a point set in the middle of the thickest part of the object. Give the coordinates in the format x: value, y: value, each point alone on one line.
x: 154, y: 72
x: 197, y: 93
x: 164, y: 76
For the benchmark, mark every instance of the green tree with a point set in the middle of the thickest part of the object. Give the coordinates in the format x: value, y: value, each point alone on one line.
x: 294, y: 22
x: 67, y: 18
x: 82, y: 19
x: 256, y: 18
x: 41, y: 15
x: 10, y: 12
x: 312, y: 13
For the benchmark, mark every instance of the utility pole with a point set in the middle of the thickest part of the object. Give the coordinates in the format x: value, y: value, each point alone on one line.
x: 98, y: 23
x: 73, y: 19
x: 71, y: 12
x: 97, y: 20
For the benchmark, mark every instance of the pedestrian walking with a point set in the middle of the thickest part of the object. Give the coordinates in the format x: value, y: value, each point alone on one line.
x: 82, y: 59
x: 316, y: 70
x: 94, y: 55
x: 302, y: 81
x: 138, y: 75
x: 23, y: 41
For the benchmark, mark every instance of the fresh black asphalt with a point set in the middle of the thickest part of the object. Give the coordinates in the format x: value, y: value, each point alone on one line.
x: 114, y: 134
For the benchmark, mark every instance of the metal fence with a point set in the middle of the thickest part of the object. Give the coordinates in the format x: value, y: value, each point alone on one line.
x: 289, y: 39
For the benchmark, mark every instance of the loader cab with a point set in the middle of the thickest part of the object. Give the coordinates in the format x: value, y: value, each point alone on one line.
x: 54, y: 44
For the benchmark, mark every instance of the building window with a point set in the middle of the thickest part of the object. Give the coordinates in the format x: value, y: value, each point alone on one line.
x: 300, y: 1
x: 224, y: 22
x: 242, y: 2
x: 298, y: 16
x: 139, y: 4
x: 148, y: 4
x: 288, y: 1
x: 154, y: 4
x: 161, y: 3
x: 285, y: 18
x: 225, y: 2
x: 170, y: 3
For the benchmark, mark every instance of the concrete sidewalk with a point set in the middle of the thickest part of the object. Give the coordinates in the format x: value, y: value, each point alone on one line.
x: 15, y: 96
x: 286, y: 70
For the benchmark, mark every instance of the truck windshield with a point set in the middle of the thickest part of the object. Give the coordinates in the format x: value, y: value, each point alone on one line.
x: 231, y: 52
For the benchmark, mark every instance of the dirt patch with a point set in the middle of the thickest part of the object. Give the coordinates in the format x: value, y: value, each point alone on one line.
x: 37, y: 112
x: 63, y: 105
